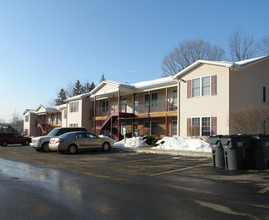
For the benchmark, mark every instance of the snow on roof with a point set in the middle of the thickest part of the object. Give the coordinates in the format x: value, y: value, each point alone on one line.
x: 78, y: 97
x: 154, y: 82
x: 238, y: 64
x: 248, y: 61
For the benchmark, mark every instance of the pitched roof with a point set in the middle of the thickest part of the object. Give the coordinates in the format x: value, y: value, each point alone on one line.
x: 234, y: 65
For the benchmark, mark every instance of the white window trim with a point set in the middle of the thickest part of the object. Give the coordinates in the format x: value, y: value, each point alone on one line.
x: 201, y: 88
x: 201, y: 117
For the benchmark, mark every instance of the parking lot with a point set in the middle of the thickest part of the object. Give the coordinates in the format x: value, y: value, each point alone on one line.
x: 139, y: 185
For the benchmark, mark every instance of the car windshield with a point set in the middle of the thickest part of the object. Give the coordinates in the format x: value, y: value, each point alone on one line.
x: 53, y: 132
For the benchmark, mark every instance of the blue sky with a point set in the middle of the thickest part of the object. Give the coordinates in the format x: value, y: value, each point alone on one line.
x: 47, y: 44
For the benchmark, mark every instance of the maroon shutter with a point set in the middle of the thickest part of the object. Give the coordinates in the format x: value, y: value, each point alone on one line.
x: 188, y: 126
x: 213, y: 125
x: 214, y: 85
x: 189, y: 89
x: 77, y: 106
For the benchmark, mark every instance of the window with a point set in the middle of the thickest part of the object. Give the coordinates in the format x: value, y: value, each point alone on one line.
x: 74, y: 107
x: 201, y: 86
x: 154, y: 99
x: 174, y: 127
x: 27, y: 118
x: 205, y: 86
x: 264, y: 93
x: 195, y: 87
x: 65, y: 114
x: 147, y: 100
x: 175, y: 97
x: 206, y: 126
x: 153, y: 128
x: 73, y: 125
x: 195, y: 129
x: 105, y: 106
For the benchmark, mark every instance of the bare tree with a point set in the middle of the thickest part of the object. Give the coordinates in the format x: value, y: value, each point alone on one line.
x: 251, y: 120
x: 264, y: 45
x: 16, y: 121
x: 188, y: 52
x: 242, y: 46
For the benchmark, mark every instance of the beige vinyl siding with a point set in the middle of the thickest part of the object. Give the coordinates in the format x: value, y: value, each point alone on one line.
x: 74, y: 117
x: 246, y: 86
x: 206, y: 106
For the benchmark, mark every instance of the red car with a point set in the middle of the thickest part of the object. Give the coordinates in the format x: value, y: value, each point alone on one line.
x: 13, y: 138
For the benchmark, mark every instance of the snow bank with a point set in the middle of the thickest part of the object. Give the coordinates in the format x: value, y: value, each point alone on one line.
x: 103, y: 136
x: 180, y: 143
x: 131, y: 142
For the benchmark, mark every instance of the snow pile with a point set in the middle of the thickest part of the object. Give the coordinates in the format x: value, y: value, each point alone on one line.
x: 180, y: 143
x: 103, y: 136
x: 131, y: 142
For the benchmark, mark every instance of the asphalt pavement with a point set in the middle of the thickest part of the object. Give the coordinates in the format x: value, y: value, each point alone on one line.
x: 125, y: 184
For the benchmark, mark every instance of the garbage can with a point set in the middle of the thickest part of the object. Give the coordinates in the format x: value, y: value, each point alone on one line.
x: 260, y: 146
x: 217, y: 151
x: 237, y: 154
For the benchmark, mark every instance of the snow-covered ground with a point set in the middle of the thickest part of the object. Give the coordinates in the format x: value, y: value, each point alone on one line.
x: 185, y: 144
x: 131, y: 142
x: 170, y: 143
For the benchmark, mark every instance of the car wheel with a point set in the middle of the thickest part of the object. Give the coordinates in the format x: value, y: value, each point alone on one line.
x: 4, y: 143
x: 106, y: 146
x: 45, y: 147
x: 72, y: 149
x: 26, y: 143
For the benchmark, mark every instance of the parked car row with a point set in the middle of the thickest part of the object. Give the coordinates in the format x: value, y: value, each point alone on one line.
x: 70, y: 140
x: 64, y: 139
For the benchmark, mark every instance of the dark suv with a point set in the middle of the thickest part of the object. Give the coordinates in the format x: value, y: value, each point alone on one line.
x: 13, y: 138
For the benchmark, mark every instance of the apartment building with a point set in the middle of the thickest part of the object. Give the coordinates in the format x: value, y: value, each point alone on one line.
x: 209, y: 91
x: 144, y: 108
x: 29, y: 122
x: 76, y: 111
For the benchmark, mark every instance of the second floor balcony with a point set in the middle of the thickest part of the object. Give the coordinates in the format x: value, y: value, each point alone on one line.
x: 104, y: 108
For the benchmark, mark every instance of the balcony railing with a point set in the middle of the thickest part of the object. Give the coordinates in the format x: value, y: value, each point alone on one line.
x: 141, y: 107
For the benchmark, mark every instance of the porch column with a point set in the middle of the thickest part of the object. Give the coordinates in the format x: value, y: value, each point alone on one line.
x: 118, y: 115
x: 166, y: 119
x: 133, y: 115
x: 178, y: 108
x: 149, y: 114
x: 94, y: 108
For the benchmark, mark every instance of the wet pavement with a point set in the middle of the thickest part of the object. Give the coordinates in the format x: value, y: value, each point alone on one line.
x: 126, y: 185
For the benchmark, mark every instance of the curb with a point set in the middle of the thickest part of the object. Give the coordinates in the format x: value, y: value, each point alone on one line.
x: 148, y: 150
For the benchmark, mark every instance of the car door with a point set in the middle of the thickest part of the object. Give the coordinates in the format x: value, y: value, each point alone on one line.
x: 93, y: 140
x: 81, y: 140
x: 18, y: 139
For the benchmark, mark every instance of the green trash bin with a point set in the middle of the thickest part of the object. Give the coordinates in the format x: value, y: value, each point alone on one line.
x: 237, y: 152
x: 260, y: 146
x: 217, y: 151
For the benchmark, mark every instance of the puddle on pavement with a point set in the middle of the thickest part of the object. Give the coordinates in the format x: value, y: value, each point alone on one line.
x: 45, y: 177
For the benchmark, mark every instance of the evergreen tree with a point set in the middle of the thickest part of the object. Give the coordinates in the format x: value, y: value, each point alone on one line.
x: 89, y: 87
x: 78, y: 88
x: 92, y: 86
x: 103, y: 78
x: 61, y: 97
